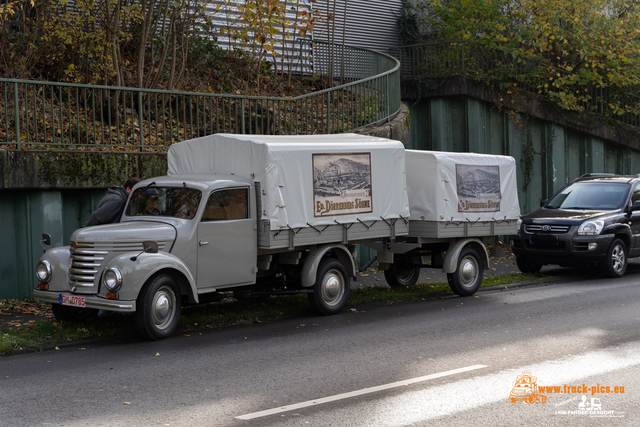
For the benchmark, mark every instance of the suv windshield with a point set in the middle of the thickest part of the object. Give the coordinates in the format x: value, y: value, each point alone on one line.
x: 164, y: 201
x: 590, y: 195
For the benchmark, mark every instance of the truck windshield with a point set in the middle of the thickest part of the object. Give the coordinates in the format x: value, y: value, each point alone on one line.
x: 590, y: 196
x: 178, y: 202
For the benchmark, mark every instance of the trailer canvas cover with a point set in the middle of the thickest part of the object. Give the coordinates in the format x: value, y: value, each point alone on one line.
x: 461, y: 186
x: 316, y: 179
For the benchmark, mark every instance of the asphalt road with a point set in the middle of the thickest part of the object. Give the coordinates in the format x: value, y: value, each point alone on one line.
x: 451, y: 361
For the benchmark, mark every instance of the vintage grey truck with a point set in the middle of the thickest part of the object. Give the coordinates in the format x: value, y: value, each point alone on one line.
x: 265, y: 215
x: 256, y: 215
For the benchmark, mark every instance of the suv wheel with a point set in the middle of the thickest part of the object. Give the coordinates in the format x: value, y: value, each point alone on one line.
x: 527, y: 267
x: 615, y: 263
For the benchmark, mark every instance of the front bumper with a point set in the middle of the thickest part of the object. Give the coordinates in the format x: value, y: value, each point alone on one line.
x: 566, y: 249
x: 91, y: 301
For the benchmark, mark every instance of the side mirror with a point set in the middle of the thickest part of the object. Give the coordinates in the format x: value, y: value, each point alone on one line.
x: 543, y: 202
x: 148, y: 247
x: 46, y: 240
x: 635, y: 206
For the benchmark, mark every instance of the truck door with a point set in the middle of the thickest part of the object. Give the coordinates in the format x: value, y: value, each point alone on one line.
x: 227, y: 245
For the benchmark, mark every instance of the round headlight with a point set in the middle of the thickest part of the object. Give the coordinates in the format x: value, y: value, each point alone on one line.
x: 43, y: 271
x: 112, y: 279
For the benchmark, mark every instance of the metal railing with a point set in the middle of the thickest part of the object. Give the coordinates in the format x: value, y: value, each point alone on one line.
x: 446, y: 59
x: 38, y: 114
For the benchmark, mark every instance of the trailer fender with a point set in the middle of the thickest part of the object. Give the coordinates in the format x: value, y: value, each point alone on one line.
x: 310, y: 267
x: 456, y: 246
x: 136, y: 273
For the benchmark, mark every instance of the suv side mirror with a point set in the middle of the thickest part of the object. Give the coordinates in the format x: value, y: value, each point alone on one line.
x: 635, y: 206
x: 543, y: 202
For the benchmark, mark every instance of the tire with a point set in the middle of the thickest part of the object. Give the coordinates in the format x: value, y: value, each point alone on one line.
x: 467, y: 278
x: 72, y: 314
x: 158, y: 308
x: 331, y: 290
x: 528, y: 267
x: 615, y: 263
x: 401, y: 273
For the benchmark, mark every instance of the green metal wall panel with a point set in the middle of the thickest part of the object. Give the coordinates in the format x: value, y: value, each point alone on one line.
x: 24, y: 216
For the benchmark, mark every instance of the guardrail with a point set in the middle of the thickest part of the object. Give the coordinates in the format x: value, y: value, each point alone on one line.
x: 49, y: 115
x: 445, y: 59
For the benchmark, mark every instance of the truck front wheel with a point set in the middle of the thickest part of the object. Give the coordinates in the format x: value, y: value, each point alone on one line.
x: 158, y: 308
x: 331, y: 291
x: 402, y: 273
x: 467, y: 278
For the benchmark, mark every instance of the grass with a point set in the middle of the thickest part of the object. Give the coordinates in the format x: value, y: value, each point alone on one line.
x: 53, y: 333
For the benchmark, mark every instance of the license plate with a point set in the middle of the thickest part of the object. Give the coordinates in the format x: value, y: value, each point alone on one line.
x: 71, y: 300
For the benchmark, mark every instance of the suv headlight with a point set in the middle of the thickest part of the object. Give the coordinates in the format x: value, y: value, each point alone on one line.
x: 112, y: 279
x: 591, y: 228
x: 43, y: 271
x: 518, y: 224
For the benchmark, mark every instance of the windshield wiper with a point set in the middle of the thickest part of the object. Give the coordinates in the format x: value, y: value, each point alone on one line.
x: 551, y: 207
x: 578, y: 208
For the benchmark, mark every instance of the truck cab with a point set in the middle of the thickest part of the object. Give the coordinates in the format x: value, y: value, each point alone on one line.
x: 204, y: 228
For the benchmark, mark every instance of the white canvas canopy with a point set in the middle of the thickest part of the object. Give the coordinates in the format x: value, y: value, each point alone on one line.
x: 472, y: 187
x: 316, y: 180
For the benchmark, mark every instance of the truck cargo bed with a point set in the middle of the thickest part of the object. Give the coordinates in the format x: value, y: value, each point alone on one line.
x: 348, y: 233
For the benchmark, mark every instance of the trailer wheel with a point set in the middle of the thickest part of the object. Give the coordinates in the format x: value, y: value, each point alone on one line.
x: 331, y: 291
x: 402, y: 273
x: 158, y: 308
x: 67, y: 313
x: 467, y: 278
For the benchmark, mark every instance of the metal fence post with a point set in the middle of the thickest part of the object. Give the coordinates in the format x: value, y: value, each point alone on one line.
x: 242, y: 119
x: 17, y: 113
x: 140, y: 121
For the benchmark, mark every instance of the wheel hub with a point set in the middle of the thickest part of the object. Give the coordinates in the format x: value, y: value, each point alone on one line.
x: 617, y: 258
x: 332, y: 287
x: 163, y: 307
x: 468, y: 271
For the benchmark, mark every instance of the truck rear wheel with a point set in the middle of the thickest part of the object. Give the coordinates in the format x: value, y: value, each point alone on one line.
x: 67, y: 313
x: 467, y: 278
x: 331, y: 291
x: 158, y: 308
x: 402, y: 273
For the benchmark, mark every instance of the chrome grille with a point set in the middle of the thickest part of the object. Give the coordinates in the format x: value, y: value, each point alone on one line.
x: 87, y: 259
x: 85, y: 264
x: 530, y: 228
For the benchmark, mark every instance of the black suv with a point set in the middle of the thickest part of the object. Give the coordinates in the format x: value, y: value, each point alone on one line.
x: 593, y: 220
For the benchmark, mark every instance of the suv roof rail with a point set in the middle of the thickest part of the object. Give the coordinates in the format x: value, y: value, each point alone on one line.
x: 587, y: 175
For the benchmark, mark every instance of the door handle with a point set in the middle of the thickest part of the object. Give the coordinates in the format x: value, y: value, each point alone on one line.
x: 201, y: 243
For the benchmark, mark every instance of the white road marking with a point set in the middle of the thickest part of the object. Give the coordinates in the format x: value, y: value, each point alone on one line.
x: 357, y: 393
x: 417, y: 407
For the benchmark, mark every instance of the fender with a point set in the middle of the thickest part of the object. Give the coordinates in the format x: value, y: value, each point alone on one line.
x: 59, y: 258
x: 136, y: 273
x: 455, y: 247
x: 310, y: 267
